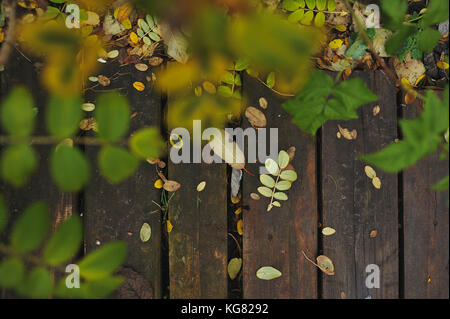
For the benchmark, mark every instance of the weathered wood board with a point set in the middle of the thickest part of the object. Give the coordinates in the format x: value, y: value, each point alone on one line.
x: 117, y: 212
x: 277, y: 238
x: 354, y: 207
x: 425, y: 226
x: 198, y: 241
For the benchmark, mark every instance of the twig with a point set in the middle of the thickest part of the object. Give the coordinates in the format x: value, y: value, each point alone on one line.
x: 5, y: 51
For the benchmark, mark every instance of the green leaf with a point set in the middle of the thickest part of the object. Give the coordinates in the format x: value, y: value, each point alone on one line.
x: 311, y: 4
x: 321, y: 4
x: 319, y: 20
x: 17, y: 113
x: 442, y: 185
x: 3, y: 214
x: 37, y: 284
x: 265, y: 191
x: 280, y: 196
x: 113, y: 116
x: 267, y: 180
x: 395, y: 43
x: 69, y: 168
x: 154, y: 36
x: 283, y: 159
x: 290, y: 5
x: 116, y: 164
x: 147, y: 143
x: 104, y: 261
x: 437, y: 12
x: 268, y: 273
x: 65, y: 242
x: 313, y: 106
x: 11, y: 272
x: 31, y: 228
x: 428, y: 39
x: 272, y: 166
x: 271, y: 80
x: 331, y: 5
x: 63, y: 116
x: 145, y: 27
x: 393, y: 13
x: 284, y: 185
x: 307, y: 18
x: 289, y: 175
x: 224, y: 91
x: 296, y: 16
x: 102, y: 288
x: 18, y: 162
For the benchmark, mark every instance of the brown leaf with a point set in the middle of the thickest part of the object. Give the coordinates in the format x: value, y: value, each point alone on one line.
x: 347, y: 134
x: 155, y: 61
x: 171, y: 186
x: 291, y: 153
x: 326, y: 265
x: 103, y: 80
x: 256, y: 118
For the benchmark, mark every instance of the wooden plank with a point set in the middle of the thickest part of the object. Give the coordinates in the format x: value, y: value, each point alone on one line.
x: 20, y: 71
x: 277, y: 238
x: 353, y: 206
x: 40, y: 187
x: 198, y: 241
x: 426, y: 230
x: 117, y: 212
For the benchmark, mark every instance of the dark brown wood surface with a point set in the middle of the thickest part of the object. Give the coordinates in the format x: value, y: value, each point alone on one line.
x: 117, y: 212
x: 354, y: 207
x: 426, y: 231
x: 277, y: 238
x: 198, y: 241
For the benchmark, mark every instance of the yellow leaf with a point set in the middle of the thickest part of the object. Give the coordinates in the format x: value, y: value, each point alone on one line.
x: 376, y: 182
x: 328, y: 231
x: 159, y: 184
x: 201, y: 187
x: 341, y: 27
x: 335, y: 44
x: 240, y: 227
x: 127, y: 24
x: 442, y: 65
x: 123, y: 12
x: 134, y: 37
x: 169, y: 226
x: 238, y: 211
x: 370, y: 172
x: 209, y: 87
x: 139, y: 86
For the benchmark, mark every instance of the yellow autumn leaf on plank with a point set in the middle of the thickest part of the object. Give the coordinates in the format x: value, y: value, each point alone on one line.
x: 159, y: 184
x: 139, y: 86
x: 169, y: 226
x: 127, y: 24
x: 240, y: 227
x: 335, y: 44
x: 123, y: 12
x: 442, y: 65
x: 134, y: 37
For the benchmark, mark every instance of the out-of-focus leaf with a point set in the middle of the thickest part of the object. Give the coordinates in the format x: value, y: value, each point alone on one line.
x: 11, y: 272
x: 428, y: 39
x: 69, y: 168
x: 147, y: 143
x: 17, y: 164
x: 37, y: 284
x: 104, y: 261
x: 31, y: 228
x: 3, y: 213
x: 437, y: 11
x: 101, y: 288
x: 442, y: 185
x: 63, y: 116
x: 116, y: 164
x: 65, y: 242
x: 393, y: 12
x: 396, y: 42
x: 17, y: 114
x: 113, y: 116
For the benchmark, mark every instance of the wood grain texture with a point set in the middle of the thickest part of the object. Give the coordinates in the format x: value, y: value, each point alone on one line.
x: 198, y: 241
x: 353, y: 206
x: 425, y: 222
x: 277, y: 238
x: 117, y: 212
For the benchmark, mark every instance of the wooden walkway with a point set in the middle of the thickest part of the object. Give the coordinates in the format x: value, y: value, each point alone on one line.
x: 403, y: 228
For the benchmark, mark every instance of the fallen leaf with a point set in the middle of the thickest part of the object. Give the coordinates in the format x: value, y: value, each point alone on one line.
x: 176, y: 43
x: 256, y: 118
x: 442, y: 65
x: 169, y: 226
x: 145, y: 233
x: 328, y: 231
x: 139, y: 86
x: 141, y: 67
x: 325, y: 264
x: 376, y: 110
x: 238, y: 211
x: 234, y: 267
x: 159, y: 184
x: 171, y: 186
x: 236, y: 199
x: 373, y: 233
x: 268, y: 273
x: 201, y: 187
x: 263, y: 103
x: 155, y: 61
x: 370, y: 172
x: 410, y: 97
x: 347, y: 134
x: 335, y: 44
x: 103, y: 80
x: 113, y: 54
x: 255, y: 196
x: 240, y: 227
x: 376, y: 182
x: 291, y: 153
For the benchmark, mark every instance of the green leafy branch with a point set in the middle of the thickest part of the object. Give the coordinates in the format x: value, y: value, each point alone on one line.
x: 29, y: 232
x: 307, y: 11
x: 69, y: 167
x: 272, y: 188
